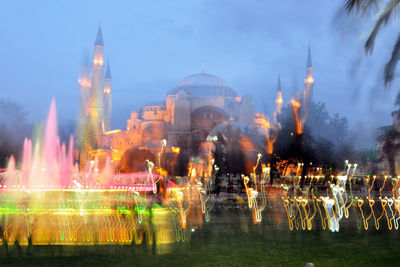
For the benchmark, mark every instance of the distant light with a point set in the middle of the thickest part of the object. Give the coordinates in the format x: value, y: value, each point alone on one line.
x: 309, y: 79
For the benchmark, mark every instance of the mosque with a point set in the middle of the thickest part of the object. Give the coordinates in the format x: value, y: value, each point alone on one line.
x: 191, y: 115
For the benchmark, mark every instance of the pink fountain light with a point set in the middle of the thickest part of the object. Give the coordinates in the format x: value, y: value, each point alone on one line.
x: 50, y: 164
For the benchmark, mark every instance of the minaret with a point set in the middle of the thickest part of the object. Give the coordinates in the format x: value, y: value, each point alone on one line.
x: 309, y: 80
x: 107, y: 98
x: 85, y: 87
x: 85, y: 104
x: 279, y: 87
x: 97, y: 84
x: 279, y: 99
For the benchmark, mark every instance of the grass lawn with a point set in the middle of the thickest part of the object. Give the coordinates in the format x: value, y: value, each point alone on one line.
x: 223, y: 242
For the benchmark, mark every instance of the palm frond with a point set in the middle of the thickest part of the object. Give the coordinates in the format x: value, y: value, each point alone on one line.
x: 359, y: 5
x: 383, y: 18
x: 352, y: 4
x: 392, y: 63
x: 397, y: 100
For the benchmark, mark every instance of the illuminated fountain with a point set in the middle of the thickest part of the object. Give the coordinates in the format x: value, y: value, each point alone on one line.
x: 49, y: 201
x: 49, y: 164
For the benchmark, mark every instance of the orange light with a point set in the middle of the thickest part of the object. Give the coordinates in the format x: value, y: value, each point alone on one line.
x: 270, y: 145
x: 238, y: 99
x: 299, y: 123
x: 295, y: 103
x: 265, y: 123
x: 279, y: 101
x: 116, y: 155
x: 162, y: 172
x: 309, y: 79
x: 84, y: 82
x: 113, y: 131
x: 176, y: 150
x: 98, y: 61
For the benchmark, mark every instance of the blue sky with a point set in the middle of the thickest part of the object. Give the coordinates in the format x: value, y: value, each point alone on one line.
x: 152, y: 45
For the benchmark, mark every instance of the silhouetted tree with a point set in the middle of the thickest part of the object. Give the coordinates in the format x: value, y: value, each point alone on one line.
x: 321, y: 143
x: 219, y: 155
x: 382, y: 11
x: 234, y: 154
x: 181, y: 167
x: 13, y: 129
x: 65, y: 130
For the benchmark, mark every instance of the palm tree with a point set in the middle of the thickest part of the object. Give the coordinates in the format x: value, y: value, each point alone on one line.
x: 385, y: 9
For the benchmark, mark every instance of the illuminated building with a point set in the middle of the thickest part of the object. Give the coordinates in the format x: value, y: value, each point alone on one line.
x: 197, y: 105
x: 200, y: 105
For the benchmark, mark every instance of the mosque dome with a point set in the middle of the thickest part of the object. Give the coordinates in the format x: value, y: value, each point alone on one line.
x: 204, y: 85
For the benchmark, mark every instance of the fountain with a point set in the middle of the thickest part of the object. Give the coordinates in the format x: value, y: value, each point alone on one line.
x: 46, y: 199
x: 53, y: 202
x: 49, y: 164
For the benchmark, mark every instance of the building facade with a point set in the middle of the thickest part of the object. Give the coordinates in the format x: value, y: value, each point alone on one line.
x: 191, y: 115
x: 191, y: 111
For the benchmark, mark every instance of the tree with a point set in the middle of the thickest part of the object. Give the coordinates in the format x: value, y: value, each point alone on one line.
x: 228, y: 151
x: 317, y: 119
x: 384, y: 10
x: 65, y: 131
x: 219, y: 155
x: 13, y: 129
x: 323, y: 142
x: 181, y: 165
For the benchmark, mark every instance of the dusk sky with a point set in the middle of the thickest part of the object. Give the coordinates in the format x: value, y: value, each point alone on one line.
x: 153, y: 45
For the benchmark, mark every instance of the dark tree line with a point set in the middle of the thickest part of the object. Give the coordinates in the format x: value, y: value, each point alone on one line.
x: 325, y: 140
x: 14, y: 127
x: 229, y: 152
